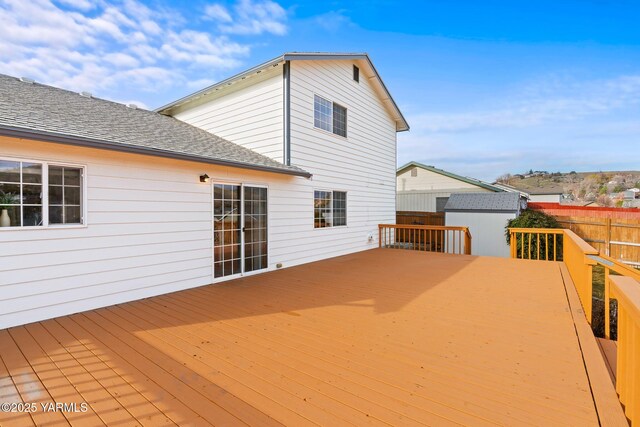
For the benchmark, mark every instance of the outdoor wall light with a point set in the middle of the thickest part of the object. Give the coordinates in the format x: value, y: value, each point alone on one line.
x: 204, y: 178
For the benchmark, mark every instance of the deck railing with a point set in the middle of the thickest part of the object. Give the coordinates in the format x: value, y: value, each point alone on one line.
x: 541, y: 243
x: 621, y: 283
x: 430, y: 238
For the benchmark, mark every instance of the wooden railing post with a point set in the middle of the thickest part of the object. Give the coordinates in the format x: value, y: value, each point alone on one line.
x: 627, y: 291
x: 467, y: 242
x: 379, y: 235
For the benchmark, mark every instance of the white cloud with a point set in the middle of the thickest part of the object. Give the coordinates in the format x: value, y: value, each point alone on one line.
x: 217, y: 12
x: 122, y: 46
x: 551, y: 101
x: 553, y: 124
x: 249, y: 17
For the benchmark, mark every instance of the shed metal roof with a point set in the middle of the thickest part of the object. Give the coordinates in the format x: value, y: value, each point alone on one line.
x: 36, y: 111
x: 504, y: 202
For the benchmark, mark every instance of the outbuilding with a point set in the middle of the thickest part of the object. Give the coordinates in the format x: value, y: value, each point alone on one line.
x: 486, y: 215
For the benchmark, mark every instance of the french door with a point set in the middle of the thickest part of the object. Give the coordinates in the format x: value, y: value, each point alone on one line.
x: 239, y: 229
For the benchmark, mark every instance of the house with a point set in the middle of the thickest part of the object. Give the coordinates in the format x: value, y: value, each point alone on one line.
x: 423, y: 188
x: 289, y: 162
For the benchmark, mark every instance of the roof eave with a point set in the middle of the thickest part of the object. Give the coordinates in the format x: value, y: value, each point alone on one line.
x: 452, y: 175
x: 38, y: 135
x: 401, y: 123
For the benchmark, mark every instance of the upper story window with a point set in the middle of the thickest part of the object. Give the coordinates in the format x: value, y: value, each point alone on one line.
x: 329, y: 116
x: 38, y: 194
x: 329, y: 208
x: 356, y: 73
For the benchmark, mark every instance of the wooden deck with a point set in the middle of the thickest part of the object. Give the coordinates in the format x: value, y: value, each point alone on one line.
x: 383, y: 337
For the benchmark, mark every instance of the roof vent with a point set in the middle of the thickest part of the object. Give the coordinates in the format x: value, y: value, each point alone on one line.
x: 132, y: 106
x: 27, y: 80
x: 86, y: 94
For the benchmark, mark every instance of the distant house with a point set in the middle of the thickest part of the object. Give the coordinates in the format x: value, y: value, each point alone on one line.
x: 289, y: 162
x: 423, y: 188
x: 544, y: 195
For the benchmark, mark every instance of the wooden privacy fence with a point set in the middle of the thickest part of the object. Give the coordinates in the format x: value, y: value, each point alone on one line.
x: 419, y: 218
x: 429, y: 238
x: 617, y: 238
x: 621, y: 283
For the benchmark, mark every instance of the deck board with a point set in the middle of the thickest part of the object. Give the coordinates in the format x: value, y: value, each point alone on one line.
x: 382, y: 337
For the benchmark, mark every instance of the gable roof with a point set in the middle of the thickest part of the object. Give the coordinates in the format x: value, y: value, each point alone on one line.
x: 401, y: 122
x: 468, y: 180
x: 484, y: 202
x: 35, y: 111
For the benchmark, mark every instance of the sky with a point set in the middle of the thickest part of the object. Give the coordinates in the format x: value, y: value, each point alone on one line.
x: 488, y: 87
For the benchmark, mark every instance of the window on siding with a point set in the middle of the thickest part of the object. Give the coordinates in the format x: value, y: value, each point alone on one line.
x: 440, y: 203
x: 329, y: 208
x: 21, y: 193
x: 356, y: 73
x: 329, y: 116
x: 65, y: 195
x: 25, y: 187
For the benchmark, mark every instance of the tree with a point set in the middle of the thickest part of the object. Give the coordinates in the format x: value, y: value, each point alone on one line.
x: 528, y: 243
x: 504, y: 179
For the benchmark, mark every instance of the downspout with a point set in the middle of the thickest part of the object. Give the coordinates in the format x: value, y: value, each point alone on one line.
x: 286, y: 75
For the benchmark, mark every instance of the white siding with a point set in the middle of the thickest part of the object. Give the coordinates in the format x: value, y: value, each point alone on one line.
x: 149, y: 232
x: 427, y: 180
x: 150, y: 219
x: 363, y: 164
x: 250, y: 113
x: 425, y: 201
x: 487, y: 231
x: 545, y: 198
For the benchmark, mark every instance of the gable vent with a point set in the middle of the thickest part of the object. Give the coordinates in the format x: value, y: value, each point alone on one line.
x: 86, y: 94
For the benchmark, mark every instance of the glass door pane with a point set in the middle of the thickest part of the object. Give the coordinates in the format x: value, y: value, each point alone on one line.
x: 226, y: 230
x: 255, y: 228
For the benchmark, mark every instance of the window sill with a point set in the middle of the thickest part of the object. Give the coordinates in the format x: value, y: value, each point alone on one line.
x: 326, y: 132
x: 41, y: 228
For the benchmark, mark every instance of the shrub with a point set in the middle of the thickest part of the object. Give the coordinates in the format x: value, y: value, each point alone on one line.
x: 535, y: 219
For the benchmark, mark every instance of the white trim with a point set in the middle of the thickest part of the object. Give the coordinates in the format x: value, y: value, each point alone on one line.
x: 243, y: 273
x: 341, y: 104
x: 346, y: 212
x: 45, y: 194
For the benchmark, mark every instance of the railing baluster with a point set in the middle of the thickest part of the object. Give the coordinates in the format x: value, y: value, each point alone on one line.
x: 607, y: 308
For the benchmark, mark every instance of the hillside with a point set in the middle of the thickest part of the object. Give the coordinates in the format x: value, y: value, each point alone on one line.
x: 604, y: 188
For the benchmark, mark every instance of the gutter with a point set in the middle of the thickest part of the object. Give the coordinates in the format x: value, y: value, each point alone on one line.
x: 16, y: 132
x: 286, y: 75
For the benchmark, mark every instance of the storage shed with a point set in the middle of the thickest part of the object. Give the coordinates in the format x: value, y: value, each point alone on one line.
x: 486, y: 215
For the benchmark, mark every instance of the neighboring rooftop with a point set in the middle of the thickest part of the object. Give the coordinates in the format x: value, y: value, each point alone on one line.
x: 363, y: 59
x: 484, y: 202
x: 466, y: 179
x: 36, y: 111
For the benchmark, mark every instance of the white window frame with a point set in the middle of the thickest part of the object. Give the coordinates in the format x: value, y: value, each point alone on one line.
x: 331, y: 132
x: 346, y: 208
x: 45, y: 194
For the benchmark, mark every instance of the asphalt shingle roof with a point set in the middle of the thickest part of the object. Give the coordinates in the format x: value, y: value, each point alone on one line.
x: 483, y: 202
x: 49, y: 111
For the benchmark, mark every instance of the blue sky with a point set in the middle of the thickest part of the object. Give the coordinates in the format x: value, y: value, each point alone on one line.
x: 488, y: 86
